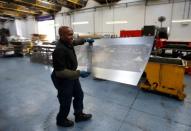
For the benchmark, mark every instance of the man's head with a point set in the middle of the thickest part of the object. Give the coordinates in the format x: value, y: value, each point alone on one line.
x: 66, y: 34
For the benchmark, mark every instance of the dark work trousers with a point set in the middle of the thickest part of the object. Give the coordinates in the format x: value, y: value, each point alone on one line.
x: 66, y: 90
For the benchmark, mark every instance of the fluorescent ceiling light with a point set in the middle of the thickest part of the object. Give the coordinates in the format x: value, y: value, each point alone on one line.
x: 80, y: 23
x: 181, y: 21
x: 116, y: 22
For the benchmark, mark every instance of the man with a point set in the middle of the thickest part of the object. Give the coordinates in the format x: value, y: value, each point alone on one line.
x: 66, y: 78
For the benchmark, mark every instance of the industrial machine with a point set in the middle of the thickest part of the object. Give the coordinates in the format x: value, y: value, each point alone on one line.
x: 168, y: 62
x: 165, y: 71
x: 164, y: 75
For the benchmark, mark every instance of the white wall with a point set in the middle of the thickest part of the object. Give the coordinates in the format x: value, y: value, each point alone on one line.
x: 135, y: 13
x: 11, y: 26
x: 178, y: 30
x: 155, y: 11
x: 21, y: 29
x: 47, y: 28
x: 61, y: 20
x: 137, y: 16
x: 17, y: 27
x: 31, y: 26
x: 79, y: 17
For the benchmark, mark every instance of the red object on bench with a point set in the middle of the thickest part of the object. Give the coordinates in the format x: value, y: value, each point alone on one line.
x: 130, y: 33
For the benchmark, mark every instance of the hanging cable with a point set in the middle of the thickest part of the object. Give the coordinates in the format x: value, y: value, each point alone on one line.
x: 145, y: 11
x: 184, y: 10
x: 189, y: 9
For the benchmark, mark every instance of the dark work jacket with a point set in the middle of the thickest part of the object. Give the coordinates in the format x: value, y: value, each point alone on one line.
x: 64, y: 57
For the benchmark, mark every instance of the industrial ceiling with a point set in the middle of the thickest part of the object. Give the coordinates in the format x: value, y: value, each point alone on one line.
x: 11, y: 9
x: 22, y: 8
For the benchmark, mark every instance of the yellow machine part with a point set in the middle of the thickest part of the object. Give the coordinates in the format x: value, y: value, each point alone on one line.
x: 165, y: 78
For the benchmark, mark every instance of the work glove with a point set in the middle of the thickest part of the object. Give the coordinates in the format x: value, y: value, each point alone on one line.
x: 89, y: 40
x: 84, y: 74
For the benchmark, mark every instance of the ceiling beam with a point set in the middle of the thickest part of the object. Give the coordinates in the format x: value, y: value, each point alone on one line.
x: 72, y: 4
x: 12, y: 13
x: 40, y: 4
x: 77, y: 2
x: 18, y: 8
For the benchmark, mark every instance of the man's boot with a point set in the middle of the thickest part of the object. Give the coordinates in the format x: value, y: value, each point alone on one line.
x: 65, y: 123
x: 82, y: 117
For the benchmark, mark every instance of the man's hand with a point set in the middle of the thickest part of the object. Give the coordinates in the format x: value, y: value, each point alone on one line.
x: 84, y: 74
x: 89, y: 40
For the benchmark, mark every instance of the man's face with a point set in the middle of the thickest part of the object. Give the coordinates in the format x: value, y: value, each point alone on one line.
x: 67, y: 35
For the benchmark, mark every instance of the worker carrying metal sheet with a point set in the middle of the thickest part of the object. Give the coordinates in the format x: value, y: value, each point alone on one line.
x: 65, y: 77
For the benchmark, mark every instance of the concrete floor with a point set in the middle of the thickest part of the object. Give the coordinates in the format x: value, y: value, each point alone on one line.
x: 28, y: 103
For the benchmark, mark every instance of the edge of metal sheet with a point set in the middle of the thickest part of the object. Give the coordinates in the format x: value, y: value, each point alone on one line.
x: 121, y: 76
x: 124, y: 41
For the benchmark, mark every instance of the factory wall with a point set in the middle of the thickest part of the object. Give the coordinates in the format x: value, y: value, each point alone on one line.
x: 23, y: 28
x: 11, y: 26
x: 137, y: 15
x: 61, y: 20
x: 135, y: 12
x: 31, y: 26
x: 180, y: 30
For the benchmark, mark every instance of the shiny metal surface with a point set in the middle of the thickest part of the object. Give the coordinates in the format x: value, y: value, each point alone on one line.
x: 83, y: 53
x: 121, y: 59
x: 117, y: 75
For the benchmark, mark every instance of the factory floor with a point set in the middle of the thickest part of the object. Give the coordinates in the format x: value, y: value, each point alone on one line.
x: 28, y: 102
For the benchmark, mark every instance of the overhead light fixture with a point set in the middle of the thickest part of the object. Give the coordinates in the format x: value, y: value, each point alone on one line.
x: 80, y: 23
x: 116, y: 22
x: 181, y: 21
